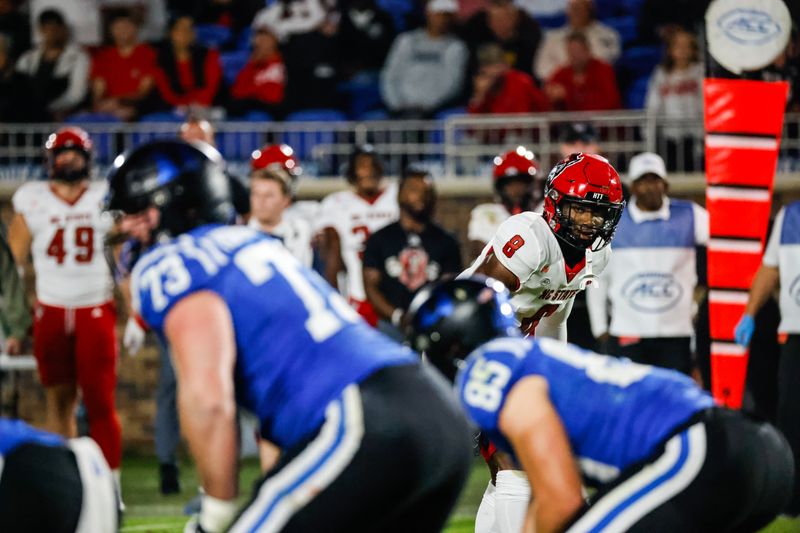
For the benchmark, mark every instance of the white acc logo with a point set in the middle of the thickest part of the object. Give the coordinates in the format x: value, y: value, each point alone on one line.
x: 652, y: 292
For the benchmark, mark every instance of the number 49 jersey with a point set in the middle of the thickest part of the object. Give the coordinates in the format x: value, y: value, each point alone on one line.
x: 67, y: 247
x: 298, y: 342
x: 615, y: 412
x: 525, y: 245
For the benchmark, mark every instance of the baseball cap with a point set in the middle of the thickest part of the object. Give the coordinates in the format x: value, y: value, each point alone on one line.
x: 443, y: 6
x: 645, y: 163
x: 578, y: 131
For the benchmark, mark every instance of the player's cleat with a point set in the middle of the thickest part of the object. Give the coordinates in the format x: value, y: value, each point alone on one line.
x: 170, y: 481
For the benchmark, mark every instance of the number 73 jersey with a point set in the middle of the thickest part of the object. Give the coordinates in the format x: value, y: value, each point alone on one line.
x: 67, y: 246
x: 526, y: 246
x: 298, y: 343
x: 615, y: 412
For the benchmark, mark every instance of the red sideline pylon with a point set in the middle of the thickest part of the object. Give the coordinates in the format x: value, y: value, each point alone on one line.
x: 743, y: 122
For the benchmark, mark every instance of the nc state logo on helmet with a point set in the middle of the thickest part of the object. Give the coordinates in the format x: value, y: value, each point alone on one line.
x: 519, y: 163
x: 583, y: 201
x: 69, y: 138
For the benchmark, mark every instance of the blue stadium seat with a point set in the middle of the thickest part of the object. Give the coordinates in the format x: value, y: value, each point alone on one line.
x: 637, y: 93
x: 162, y: 116
x: 552, y: 21
x: 639, y: 61
x: 631, y: 7
x: 304, y: 142
x: 232, y: 64
x: 138, y: 138
x: 627, y: 27
x: 374, y: 114
x: 212, y: 35
x: 243, y: 40
x: 604, y: 9
x: 449, y: 112
x: 104, y: 150
x: 399, y: 10
x: 363, y: 93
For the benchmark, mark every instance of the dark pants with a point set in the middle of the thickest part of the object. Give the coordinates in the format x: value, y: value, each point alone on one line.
x: 722, y: 471
x: 788, y: 420
x: 664, y: 352
x: 40, y: 490
x: 168, y: 430
x: 391, y: 456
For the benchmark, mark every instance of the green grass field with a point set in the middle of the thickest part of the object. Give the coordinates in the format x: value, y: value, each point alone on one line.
x: 149, y: 511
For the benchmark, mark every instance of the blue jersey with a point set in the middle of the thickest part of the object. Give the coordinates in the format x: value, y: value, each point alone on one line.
x: 615, y: 412
x: 298, y: 342
x: 15, y: 433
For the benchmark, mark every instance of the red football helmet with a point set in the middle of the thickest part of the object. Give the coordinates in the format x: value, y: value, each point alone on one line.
x: 69, y: 138
x: 519, y: 163
x: 579, y: 185
x: 278, y: 157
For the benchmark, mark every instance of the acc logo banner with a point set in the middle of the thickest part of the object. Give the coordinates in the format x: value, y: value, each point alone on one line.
x: 652, y: 292
x: 747, y: 34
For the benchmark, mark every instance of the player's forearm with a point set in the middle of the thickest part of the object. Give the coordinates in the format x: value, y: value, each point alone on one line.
x: 379, y: 303
x: 764, y: 282
x: 209, y: 426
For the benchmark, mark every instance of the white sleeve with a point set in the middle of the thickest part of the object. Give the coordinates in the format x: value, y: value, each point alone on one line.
x: 771, y: 258
x: 21, y: 199
x: 653, y: 102
x: 77, y: 86
x: 555, y: 325
x: 701, y: 231
x: 548, y: 58
x: 392, y: 73
x: 480, y: 227
x: 597, y: 305
x: 517, y: 247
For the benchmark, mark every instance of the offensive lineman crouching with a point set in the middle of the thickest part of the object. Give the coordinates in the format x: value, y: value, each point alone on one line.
x: 662, y: 456
x: 371, y: 440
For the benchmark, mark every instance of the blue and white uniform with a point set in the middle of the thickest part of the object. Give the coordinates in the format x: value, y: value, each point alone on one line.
x: 299, y: 345
x: 15, y: 433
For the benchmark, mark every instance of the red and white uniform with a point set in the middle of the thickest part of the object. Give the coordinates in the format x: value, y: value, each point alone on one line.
x: 355, y: 219
x: 526, y: 246
x: 74, y: 327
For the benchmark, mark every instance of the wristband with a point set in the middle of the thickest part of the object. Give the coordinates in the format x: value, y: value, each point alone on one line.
x: 397, y: 316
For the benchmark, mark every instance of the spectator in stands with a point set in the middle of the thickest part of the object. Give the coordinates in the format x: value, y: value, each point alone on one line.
x: 502, y: 22
x: 234, y: 14
x: 187, y: 74
x: 543, y: 8
x: 604, y: 42
x: 292, y: 17
x: 576, y: 137
x: 498, y: 88
x: 122, y: 74
x: 365, y: 34
x: 15, y: 315
x: 15, y: 91
x: 81, y: 16
x: 16, y: 27
x: 659, y: 19
x: 407, y: 254
x: 675, y: 94
x: 425, y: 68
x: 57, y: 68
x: 261, y: 83
x: 150, y: 16
x: 584, y: 83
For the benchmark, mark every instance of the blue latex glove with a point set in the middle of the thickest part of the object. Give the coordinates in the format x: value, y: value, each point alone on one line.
x: 744, y: 330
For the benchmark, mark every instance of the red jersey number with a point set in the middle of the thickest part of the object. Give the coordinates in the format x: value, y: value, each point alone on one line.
x: 84, y: 244
x: 514, y: 244
x: 528, y: 325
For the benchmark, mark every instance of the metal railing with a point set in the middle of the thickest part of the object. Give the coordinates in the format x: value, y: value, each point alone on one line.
x: 458, y: 146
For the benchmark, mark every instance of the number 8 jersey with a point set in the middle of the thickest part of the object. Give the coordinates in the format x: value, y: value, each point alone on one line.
x: 67, y: 247
x: 526, y: 246
x: 298, y: 342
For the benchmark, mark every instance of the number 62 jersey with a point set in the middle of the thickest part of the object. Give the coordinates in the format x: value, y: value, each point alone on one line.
x: 67, y: 247
x: 298, y: 343
x: 526, y: 246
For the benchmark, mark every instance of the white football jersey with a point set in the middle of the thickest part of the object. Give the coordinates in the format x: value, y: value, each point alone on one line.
x: 295, y: 233
x: 486, y: 218
x: 68, y: 241
x: 355, y: 219
x: 526, y: 246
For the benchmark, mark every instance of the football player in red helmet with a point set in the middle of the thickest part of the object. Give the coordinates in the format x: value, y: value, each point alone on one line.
x: 277, y: 157
x: 545, y: 260
x: 517, y: 185
x: 68, y: 155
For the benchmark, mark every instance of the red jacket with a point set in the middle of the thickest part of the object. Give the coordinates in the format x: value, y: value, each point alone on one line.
x: 123, y: 75
x: 264, y: 81
x: 517, y: 93
x: 597, y: 91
